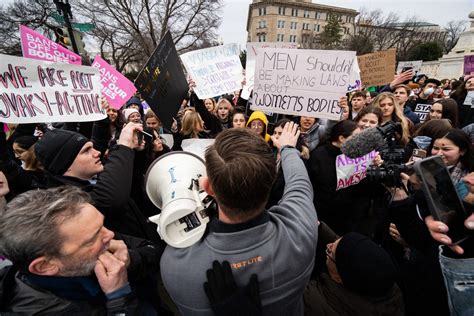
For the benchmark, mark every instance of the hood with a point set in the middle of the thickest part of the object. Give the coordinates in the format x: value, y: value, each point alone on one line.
x: 423, y: 142
x: 259, y: 115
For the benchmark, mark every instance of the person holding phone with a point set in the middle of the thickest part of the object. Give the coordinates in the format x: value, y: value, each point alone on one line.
x: 454, y: 262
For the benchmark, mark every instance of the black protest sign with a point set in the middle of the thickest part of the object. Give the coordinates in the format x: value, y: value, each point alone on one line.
x: 162, y: 82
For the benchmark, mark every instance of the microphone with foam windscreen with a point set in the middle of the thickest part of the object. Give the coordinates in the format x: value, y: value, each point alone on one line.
x: 369, y: 140
x: 363, y: 143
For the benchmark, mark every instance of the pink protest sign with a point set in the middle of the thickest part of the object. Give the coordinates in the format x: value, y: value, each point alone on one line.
x: 116, y: 88
x: 36, y: 46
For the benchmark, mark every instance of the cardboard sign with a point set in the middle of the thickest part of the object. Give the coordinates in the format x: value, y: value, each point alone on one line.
x: 33, y: 91
x: 116, y: 88
x: 351, y: 171
x: 252, y: 52
x: 378, y: 68
x: 422, y: 110
x: 301, y: 82
x: 162, y: 82
x: 36, y: 46
x: 469, y: 65
x: 216, y: 70
x: 415, y: 64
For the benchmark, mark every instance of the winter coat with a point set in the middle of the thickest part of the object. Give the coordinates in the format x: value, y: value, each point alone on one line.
x: 111, y: 196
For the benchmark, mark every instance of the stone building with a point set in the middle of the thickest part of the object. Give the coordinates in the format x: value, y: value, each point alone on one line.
x: 293, y: 21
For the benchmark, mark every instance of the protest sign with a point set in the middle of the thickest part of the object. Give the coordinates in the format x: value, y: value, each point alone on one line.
x: 351, y: 171
x: 415, y: 64
x: 162, y: 82
x: 197, y: 146
x: 168, y: 139
x: 422, y: 110
x: 430, y: 69
x: 355, y: 82
x: 378, y: 68
x: 469, y: 65
x: 469, y: 100
x: 301, y: 82
x: 33, y: 91
x: 216, y: 70
x: 36, y: 46
x: 252, y: 52
x: 116, y: 88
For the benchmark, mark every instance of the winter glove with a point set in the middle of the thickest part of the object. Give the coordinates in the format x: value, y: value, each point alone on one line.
x: 226, y: 297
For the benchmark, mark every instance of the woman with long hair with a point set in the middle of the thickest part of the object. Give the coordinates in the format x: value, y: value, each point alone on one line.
x: 369, y: 117
x: 344, y: 209
x: 391, y: 111
x: 466, y: 111
x: 192, y: 126
x: 446, y: 109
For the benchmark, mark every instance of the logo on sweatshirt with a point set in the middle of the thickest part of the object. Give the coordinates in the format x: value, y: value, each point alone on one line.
x: 244, y: 263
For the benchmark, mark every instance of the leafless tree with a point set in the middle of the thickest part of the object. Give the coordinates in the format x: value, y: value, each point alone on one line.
x: 129, y: 30
x: 126, y: 32
x: 32, y: 13
x: 376, y: 30
x: 454, y: 30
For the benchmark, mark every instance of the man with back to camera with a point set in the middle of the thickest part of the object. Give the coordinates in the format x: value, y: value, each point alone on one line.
x: 65, y: 261
x: 277, y: 244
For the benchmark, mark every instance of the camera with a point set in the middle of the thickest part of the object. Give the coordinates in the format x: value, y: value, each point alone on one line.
x: 389, y: 172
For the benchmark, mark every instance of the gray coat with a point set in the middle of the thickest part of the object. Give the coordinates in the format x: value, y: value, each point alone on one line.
x: 280, y: 249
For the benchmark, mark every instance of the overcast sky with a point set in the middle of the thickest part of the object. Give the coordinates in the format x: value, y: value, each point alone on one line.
x: 235, y: 12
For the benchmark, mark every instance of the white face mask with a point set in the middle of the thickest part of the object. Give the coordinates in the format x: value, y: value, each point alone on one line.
x: 428, y: 92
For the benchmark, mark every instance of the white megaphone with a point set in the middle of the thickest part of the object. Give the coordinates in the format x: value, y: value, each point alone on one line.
x: 172, y: 185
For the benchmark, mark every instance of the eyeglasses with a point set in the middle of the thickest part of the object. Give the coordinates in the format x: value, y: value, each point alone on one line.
x: 255, y: 124
x: 329, y: 253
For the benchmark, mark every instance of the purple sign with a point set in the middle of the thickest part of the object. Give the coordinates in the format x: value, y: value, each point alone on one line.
x: 469, y: 65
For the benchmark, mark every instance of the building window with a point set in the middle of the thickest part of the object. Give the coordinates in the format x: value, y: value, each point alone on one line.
x: 262, y: 11
x: 280, y: 37
x: 262, y: 37
x: 292, y: 38
x: 318, y: 15
x: 281, y: 10
x: 262, y: 24
x: 306, y: 14
x: 281, y: 24
x: 305, y: 26
x: 316, y: 28
x: 294, y: 12
x: 293, y: 25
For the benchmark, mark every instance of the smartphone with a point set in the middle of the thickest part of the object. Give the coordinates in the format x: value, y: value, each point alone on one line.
x: 443, y: 201
x: 418, y: 154
x: 406, y: 69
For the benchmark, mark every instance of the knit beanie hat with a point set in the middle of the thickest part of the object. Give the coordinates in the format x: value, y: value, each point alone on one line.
x: 364, y: 267
x: 133, y: 100
x: 128, y: 112
x: 58, y: 148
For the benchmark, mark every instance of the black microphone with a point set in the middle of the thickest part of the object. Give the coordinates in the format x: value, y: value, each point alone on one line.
x: 369, y: 140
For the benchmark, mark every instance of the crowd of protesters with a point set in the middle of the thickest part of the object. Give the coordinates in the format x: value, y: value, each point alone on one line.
x: 75, y: 235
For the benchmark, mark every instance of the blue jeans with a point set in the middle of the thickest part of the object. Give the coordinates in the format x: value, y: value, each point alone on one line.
x: 459, y: 279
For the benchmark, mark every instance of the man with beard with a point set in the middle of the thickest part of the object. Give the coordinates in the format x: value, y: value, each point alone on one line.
x: 64, y: 260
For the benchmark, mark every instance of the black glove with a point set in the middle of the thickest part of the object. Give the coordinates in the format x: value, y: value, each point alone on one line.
x: 226, y: 297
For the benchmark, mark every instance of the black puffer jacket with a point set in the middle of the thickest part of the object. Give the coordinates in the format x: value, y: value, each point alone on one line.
x: 111, y: 196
